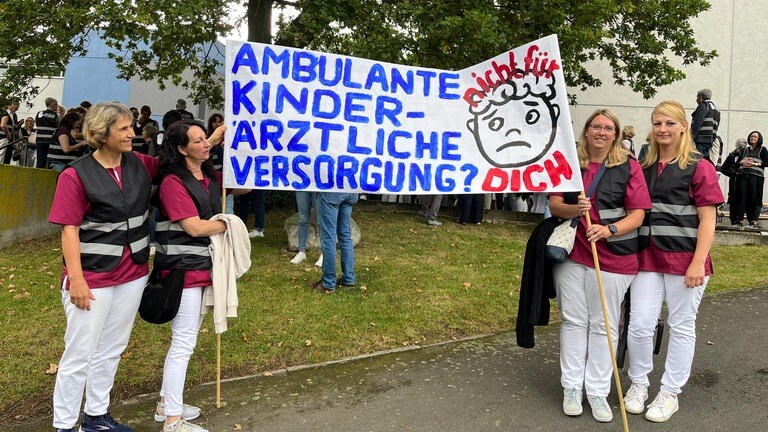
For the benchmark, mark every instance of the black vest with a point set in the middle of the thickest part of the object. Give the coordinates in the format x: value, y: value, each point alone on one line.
x: 46, y: 123
x: 118, y: 218
x: 673, y: 222
x: 611, y: 192
x: 175, y: 248
x: 56, y: 152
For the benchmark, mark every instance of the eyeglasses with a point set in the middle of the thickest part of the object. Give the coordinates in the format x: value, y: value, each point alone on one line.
x: 598, y: 128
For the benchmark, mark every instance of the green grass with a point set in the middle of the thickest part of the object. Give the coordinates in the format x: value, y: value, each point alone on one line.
x: 417, y: 285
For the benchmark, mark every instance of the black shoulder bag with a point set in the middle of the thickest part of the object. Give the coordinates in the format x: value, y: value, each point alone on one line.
x: 162, y: 296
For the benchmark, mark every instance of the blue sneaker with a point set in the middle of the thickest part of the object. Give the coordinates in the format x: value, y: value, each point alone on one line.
x: 102, y: 423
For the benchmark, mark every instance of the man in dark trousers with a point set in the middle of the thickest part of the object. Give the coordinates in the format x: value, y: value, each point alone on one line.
x: 47, y: 121
x: 706, y: 119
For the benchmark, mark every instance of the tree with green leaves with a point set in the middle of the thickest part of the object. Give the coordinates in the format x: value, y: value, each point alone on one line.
x: 158, y: 40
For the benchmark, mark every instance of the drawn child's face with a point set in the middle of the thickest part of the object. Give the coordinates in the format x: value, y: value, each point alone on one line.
x: 508, y: 139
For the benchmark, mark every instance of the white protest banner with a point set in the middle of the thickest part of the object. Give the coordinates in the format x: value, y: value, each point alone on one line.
x: 306, y: 120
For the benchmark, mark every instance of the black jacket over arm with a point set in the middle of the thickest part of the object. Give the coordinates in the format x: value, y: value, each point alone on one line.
x: 537, y: 285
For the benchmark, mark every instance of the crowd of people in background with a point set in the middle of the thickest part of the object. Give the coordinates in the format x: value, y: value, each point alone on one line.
x: 674, y: 169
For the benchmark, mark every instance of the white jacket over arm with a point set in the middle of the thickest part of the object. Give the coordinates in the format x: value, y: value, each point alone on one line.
x: 231, y: 257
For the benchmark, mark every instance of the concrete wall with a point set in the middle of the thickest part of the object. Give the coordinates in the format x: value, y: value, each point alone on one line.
x: 50, y: 87
x: 26, y: 195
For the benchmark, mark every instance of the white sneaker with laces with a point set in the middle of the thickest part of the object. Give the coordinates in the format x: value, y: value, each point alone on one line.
x: 255, y: 233
x: 188, y: 412
x: 572, y: 402
x: 182, y: 425
x: 601, y: 411
x: 319, y: 262
x: 434, y: 222
x: 299, y: 258
x: 663, y: 406
x: 634, y: 401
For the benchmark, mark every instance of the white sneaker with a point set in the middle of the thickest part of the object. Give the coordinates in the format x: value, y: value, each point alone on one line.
x: 182, y: 425
x: 663, y: 406
x: 319, y: 262
x: 601, y: 411
x: 434, y: 222
x: 255, y: 233
x: 634, y: 400
x: 572, y: 402
x: 299, y: 258
x: 188, y: 412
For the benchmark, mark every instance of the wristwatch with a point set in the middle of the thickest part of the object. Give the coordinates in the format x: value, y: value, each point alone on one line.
x: 612, y: 228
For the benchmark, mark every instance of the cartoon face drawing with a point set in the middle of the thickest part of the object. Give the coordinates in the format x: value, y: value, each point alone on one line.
x: 516, y: 123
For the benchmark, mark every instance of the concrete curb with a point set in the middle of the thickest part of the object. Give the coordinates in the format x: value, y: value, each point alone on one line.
x: 291, y: 369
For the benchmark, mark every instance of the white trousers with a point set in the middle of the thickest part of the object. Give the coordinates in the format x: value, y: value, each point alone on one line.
x: 649, y: 290
x: 585, y: 361
x: 93, y: 343
x: 184, y: 330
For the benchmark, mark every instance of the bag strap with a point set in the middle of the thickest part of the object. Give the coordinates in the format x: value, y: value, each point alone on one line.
x: 596, y: 180
x: 592, y: 187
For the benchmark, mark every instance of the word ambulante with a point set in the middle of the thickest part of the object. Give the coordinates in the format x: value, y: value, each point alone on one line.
x: 326, y: 120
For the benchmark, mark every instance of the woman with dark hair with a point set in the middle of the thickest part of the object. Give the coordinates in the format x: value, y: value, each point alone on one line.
x: 189, y: 195
x: 751, y: 178
x: 617, y: 200
x: 217, y: 153
x: 101, y: 204
x: 674, y: 265
x: 216, y: 121
x: 64, y: 148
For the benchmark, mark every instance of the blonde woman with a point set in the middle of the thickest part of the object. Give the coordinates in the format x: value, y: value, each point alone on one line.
x: 626, y: 138
x: 616, y: 203
x: 675, y: 267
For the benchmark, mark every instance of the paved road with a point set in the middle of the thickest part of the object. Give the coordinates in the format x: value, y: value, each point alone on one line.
x: 488, y: 384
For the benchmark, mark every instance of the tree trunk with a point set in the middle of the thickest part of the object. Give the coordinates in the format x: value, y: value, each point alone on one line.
x: 260, y: 21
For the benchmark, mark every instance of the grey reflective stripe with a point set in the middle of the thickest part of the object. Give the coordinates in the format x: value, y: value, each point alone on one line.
x: 628, y: 236
x: 674, y: 231
x: 137, y: 221
x: 103, y: 226
x: 678, y: 210
x: 168, y: 226
x: 140, y: 244
x: 101, y: 249
x: 753, y: 170
x: 643, y: 230
x: 612, y: 213
x: 187, y: 250
x: 45, y: 129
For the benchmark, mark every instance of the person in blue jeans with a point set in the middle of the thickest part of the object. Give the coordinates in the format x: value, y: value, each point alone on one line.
x: 304, y: 203
x: 253, y: 201
x: 336, y: 219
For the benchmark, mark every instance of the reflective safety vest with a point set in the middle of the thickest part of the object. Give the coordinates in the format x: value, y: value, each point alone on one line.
x: 46, y: 123
x: 175, y: 248
x: 118, y: 217
x: 673, y: 222
x: 56, y: 151
x: 611, y: 192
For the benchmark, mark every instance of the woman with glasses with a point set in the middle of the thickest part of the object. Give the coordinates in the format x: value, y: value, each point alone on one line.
x: 616, y: 199
x: 675, y: 266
